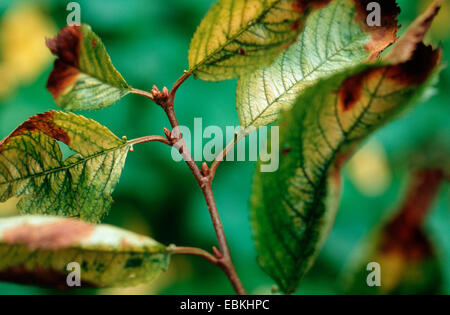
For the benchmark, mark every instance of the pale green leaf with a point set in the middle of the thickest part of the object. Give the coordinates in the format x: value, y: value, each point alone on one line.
x: 334, y: 38
x: 293, y: 209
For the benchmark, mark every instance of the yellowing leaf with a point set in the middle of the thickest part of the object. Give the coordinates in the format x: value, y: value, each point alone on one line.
x: 39, y: 249
x: 238, y: 36
x: 293, y: 209
x: 32, y: 167
x: 83, y: 76
x: 9, y: 207
x: 334, y: 38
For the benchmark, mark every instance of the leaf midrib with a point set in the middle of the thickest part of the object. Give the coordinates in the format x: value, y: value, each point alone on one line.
x: 165, y: 251
x: 321, y: 64
x: 330, y: 160
x: 65, y: 167
x: 250, y: 24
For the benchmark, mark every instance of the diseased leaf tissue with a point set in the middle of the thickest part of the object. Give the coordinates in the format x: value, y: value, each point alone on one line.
x: 32, y: 167
x: 37, y: 249
x: 311, y: 67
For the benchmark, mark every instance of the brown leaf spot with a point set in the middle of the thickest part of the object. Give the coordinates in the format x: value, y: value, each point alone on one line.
x: 418, y: 68
x: 286, y: 151
x: 351, y: 89
x: 297, y: 25
x: 66, y: 46
x: 40, y: 123
x: 38, y: 276
x: 302, y: 6
x: 56, y: 235
x: 61, y: 77
x: 94, y: 43
x: 410, y: 73
x: 385, y: 34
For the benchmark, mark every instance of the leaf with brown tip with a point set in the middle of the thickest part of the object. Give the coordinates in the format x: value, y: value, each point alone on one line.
x: 404, y: 48
x: 32, y: 166
x: 83, y: 76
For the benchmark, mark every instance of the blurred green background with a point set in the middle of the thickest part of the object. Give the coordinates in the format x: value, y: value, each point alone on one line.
x: 148, y: 43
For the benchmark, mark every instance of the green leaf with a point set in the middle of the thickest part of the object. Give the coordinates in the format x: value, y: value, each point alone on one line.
x: 32, y: 166
x: 293, y: 209
x: 38, y: 249
x: 334, y: 38
x: 83, y: 77
x: 237, y: 36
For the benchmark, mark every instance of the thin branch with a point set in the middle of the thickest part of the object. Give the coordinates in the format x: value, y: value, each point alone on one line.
x: 222, y: 258
x: 177, y: 84
x: 179, y: 250
x: 150, y: 139
x: 222, y: 155
x: 142, y: 93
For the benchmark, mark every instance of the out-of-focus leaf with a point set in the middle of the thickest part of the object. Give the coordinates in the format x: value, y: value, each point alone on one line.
x: 292, y: 209
x: 334, y: 38
x: 38, y: 249
x: 369, y: 169
x: 414, y: 34
x: 237, y: 36
x: 23, y: 55
x: 32, y: 166
x: 83, y: 76
x: 407, y: 259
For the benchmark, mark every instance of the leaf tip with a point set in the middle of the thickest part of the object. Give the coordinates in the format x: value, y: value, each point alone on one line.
x: 414, y: 35
x: 66, y: 46
x: 42, y: 123
x: 385, y: 33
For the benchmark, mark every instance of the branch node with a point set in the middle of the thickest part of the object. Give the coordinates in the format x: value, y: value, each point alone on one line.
x: 217, y: 253
x: 168, y: 134
x: 161, y: 98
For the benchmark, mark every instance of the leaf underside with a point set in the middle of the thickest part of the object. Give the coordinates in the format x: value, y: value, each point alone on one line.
x: 32, y: 166
x: 334, y: 38
x: 238, y: 36
x: 38, y: 249
x: 292, y: 209
x: 83, y: 77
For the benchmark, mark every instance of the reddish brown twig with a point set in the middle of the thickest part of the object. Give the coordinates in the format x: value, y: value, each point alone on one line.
x: 221, y: 257
x: 180, y: 250
x: 222, y: 155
